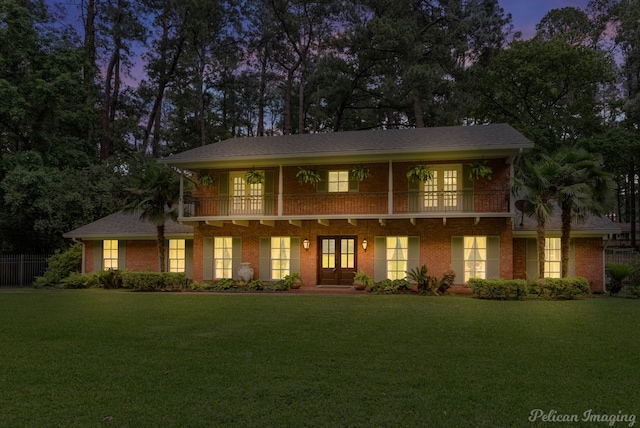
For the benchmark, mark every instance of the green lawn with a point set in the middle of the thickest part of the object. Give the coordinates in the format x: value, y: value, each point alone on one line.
x: 74, y: 358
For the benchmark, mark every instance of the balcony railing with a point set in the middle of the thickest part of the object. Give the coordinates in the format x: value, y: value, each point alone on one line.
x: 360, y: 203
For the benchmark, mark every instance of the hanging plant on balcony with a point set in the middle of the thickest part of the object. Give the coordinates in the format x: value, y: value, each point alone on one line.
x: 254, y: 177
x: 420, y: 172
x: 307, y: 176
x: 206, y: 179
x: 480, y: 171
x: 360, y: 172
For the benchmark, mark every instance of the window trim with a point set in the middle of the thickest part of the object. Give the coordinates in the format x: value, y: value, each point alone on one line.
x: 113, y: 261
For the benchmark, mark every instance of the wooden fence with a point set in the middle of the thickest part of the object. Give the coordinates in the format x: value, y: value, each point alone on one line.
x: 619, y: 255
x: 19, y: 270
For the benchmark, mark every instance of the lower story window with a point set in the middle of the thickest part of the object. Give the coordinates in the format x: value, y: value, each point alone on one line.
x: 397, y: 256
x: 552, y: 258
x: 110, y: 254
x: 223, y: 257
x: 280, y: 257
x: 475, y: 257
x: 177, y: 255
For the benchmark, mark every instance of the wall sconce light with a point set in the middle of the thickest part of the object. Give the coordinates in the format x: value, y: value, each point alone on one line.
x: 365, y: 244
x: 306, y: 243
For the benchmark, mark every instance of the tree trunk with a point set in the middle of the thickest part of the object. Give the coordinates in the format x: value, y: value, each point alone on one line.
x: 632, y: 204
x: 565, y: 240
x: 261, y: 95
x: 417, y: 109
x: 287, y: 103
x: 161, y: 253
x: 301, y: 107
x: 105, y: 138
x: 541, y: 234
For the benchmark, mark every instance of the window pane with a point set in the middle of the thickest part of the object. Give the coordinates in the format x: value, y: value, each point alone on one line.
x: 397, y: 256
x: 475, y: 257
x: 552, y: 258
x: 110, y: 254
x: 280, y: 257
x: 338, y: 181
x: 223, y: 257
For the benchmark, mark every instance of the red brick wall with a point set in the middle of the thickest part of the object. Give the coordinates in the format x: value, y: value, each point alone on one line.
x: 520, y: 258
x: 589, y: 261
x: 141, y: 255
x: 435, y: 241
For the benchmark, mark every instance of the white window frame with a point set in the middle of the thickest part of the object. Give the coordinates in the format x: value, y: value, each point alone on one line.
x: 440, y: 192
x: 110, y: 254
x: 475, y: 257
x: 338, y: 181
x: 245, y: 198
x: 280, y: 257
x: 552, y: 258
x: 222, y: 257
x: 397, y: 257
x: 177, y: 255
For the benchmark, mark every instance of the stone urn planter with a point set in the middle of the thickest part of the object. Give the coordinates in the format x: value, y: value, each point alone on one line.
x: 245, y: 272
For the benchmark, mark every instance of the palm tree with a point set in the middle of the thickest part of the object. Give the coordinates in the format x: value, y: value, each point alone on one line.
x: 532, y: 182
x: 154, y: 197
x: 580, y: 187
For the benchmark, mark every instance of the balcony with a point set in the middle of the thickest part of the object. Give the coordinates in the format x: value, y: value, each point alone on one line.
x: 428, y: 204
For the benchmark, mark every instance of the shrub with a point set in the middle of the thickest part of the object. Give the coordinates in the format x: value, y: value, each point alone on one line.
x: 389, y: 286
x: 619, y: 274
x: 60, y: 266
x: 153, y: 281
x: 565, y: 288
x: 108, y: 279
x: 79, y: 280
x: 498, y: 289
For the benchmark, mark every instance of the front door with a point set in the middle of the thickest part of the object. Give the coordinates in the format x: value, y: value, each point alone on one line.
x: 337, y: 260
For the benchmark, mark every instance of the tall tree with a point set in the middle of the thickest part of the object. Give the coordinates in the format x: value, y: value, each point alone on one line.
x: 532, y: 183
x: 154, y: 198
x: 547, y: 90
x: 581, y: 187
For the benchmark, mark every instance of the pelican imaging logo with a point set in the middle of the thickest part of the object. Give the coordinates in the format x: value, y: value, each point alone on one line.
x: 553, y: 416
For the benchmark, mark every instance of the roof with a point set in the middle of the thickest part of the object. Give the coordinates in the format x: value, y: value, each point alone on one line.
x: 461, y: 141
x: 120, y: 225
x: 592, y: 226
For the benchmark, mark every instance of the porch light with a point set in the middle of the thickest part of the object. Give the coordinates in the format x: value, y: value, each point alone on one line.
x: 365, y: 244
x: 306, y: 243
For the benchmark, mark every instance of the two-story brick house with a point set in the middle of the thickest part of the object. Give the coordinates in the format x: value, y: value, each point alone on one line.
x: 384, y: 225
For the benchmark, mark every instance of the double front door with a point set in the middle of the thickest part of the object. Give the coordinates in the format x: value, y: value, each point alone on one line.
x: 337, y: 260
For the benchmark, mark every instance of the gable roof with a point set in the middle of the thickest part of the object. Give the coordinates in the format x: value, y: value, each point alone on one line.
x: 592, y: 226
x: 120, y: 225
x: 462, y: 141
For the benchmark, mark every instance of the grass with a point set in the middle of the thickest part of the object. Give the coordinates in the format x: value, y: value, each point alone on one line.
x: 96, y: 358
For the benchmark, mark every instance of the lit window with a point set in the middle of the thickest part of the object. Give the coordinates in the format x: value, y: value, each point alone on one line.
x: 397, y: 256
x: 177, y: 255
x: 223, y: 257
x: 110, y: 254
x: 280, y: 257
x: 475, y: 257
x: 442, y: 191
x: 246, y: 198
x: 552, y: 258
x: 347, y: 253
x: 338, y: 181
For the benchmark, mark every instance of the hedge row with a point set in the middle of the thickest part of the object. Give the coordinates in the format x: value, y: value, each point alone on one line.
x: 517, y: 289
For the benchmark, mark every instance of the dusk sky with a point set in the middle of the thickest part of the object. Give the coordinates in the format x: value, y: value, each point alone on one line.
x: 527, y: 13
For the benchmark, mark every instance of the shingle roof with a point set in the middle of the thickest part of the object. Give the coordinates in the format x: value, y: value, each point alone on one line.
x: 591, y: 226
x: 392, y: 141
x: 121, y: 225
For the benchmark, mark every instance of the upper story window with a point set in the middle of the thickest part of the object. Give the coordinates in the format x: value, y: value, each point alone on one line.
x: 338, y: 181
x: 246, y: 198
x: 442, y: 191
